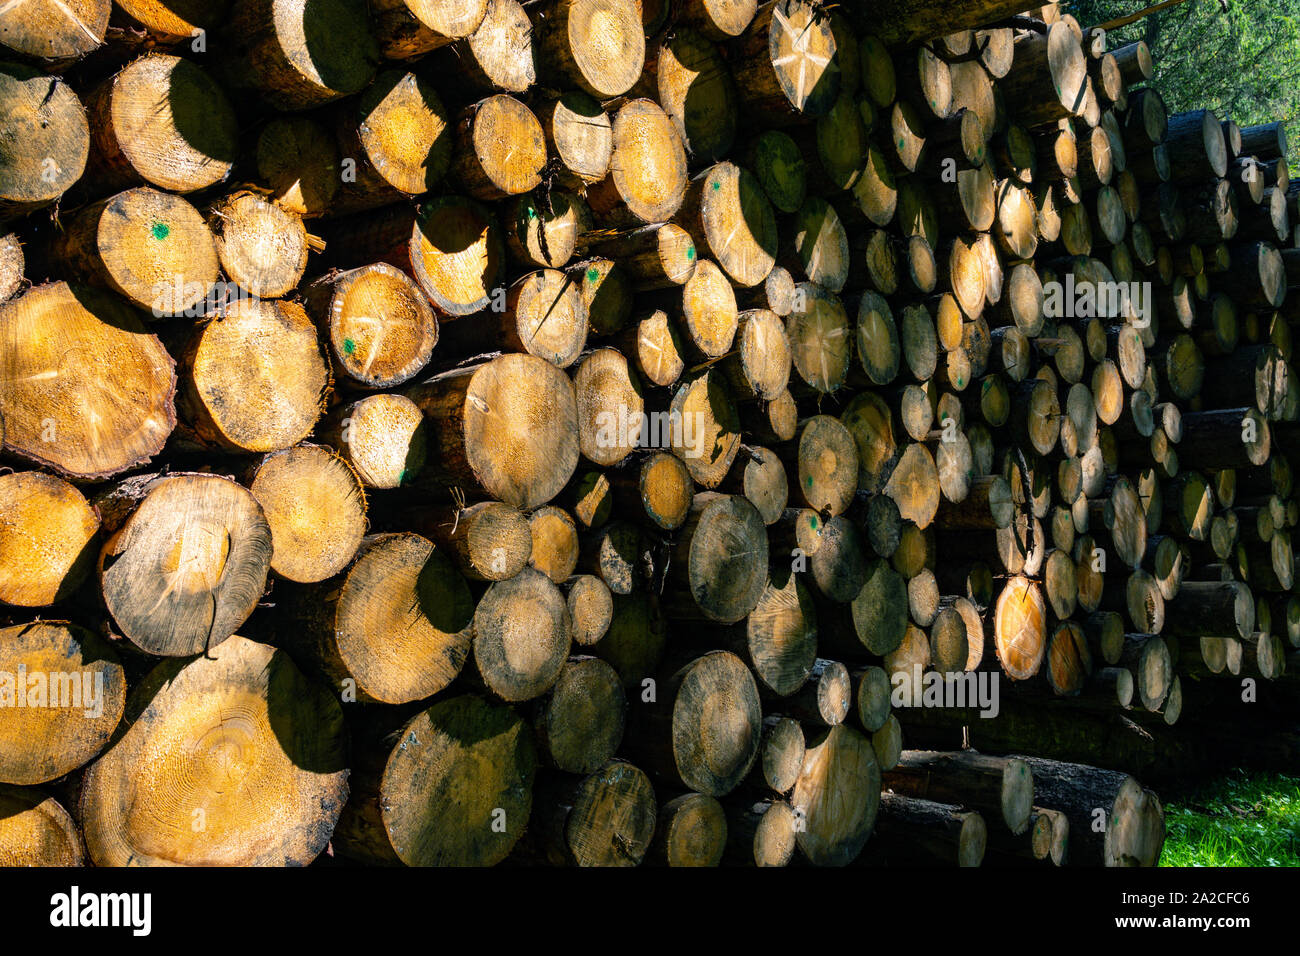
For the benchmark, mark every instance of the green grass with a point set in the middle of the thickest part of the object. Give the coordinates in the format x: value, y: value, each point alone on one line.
x: 1241, y: 819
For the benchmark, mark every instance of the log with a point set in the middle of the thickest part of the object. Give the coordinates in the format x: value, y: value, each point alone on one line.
x: 999, y: 788
x: 924, y: 833
x: 162, y: 795
x: 394, y: 627
x: 463, y: 758
x: 48, y: 535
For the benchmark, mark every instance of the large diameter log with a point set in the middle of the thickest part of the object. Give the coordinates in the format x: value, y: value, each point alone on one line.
x: 186, y: 560
x: 47, y: 536
x: 704, y: 728
x: 394, y: 627
x: 110, y: 410
x: 780, y: 636
x: 56, y: 33
x: 916, y: 832
x: 1048, y: 77
x: 297, y: 57
x: 35, y: 830
x: 162, y: 120
x: 509, y: 426
x: 162, y: 795
x: 836, y: 797
x: 1000, y: 788
x: 451, y: 787
x: 788, y: 59
x: 579, y: 133
x: 1197, y: 150
x: 913, y: 21
x: 721, y: 558
x: 1134, y: 832
x: 316, y: 508
x: 63, y: 691
x: 260, y: 406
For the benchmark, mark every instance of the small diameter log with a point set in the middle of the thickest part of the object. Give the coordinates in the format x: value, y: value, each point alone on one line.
x: 463, y: 759
x: 1019, y: 628
x: 690, y: 830
x: 161, y: 120
x: 703, y: 428
x: 298, y: 159
x: 110, y: 410
x: 316, y: 508
x: 824, y: 699
x: 836, y: 797
x: 1135, y: 824
x: 759, y: 367
x: 924, y: 833
x: 522, y: 634
x: 35, y: 830
x: 488, y: 541
x: 255, y: 406
x: 151, y: 247
x: 186, y: 560
x: 1000, y: 788
x: 695, y: 88
x: 761, y: 833
x: 541, y: 234
x: 821, y: 343
x: 262, y: 247
x: 704, y: 728
x: 393, y: 628
x: 554, y: 542
x: 63, y: 690
x: 408, y: 28
x: 477, y: 415
x: 139, y: 802
x: 1210, y: 609
x: 280, y: 50
x: 578, y: 131
x: 500, y: 149
x: 381, y: 436
x: 48, y: 537
x: 591, y: 609
x: 452, y: 247
x: 379, y: 326
x: 579, y: 723
x: 606, y: 819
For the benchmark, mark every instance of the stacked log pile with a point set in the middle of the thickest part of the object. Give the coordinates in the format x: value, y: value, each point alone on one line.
x: 452, y: 432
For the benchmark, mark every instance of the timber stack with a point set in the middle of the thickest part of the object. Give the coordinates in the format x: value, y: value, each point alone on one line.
x: 600, y: 432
